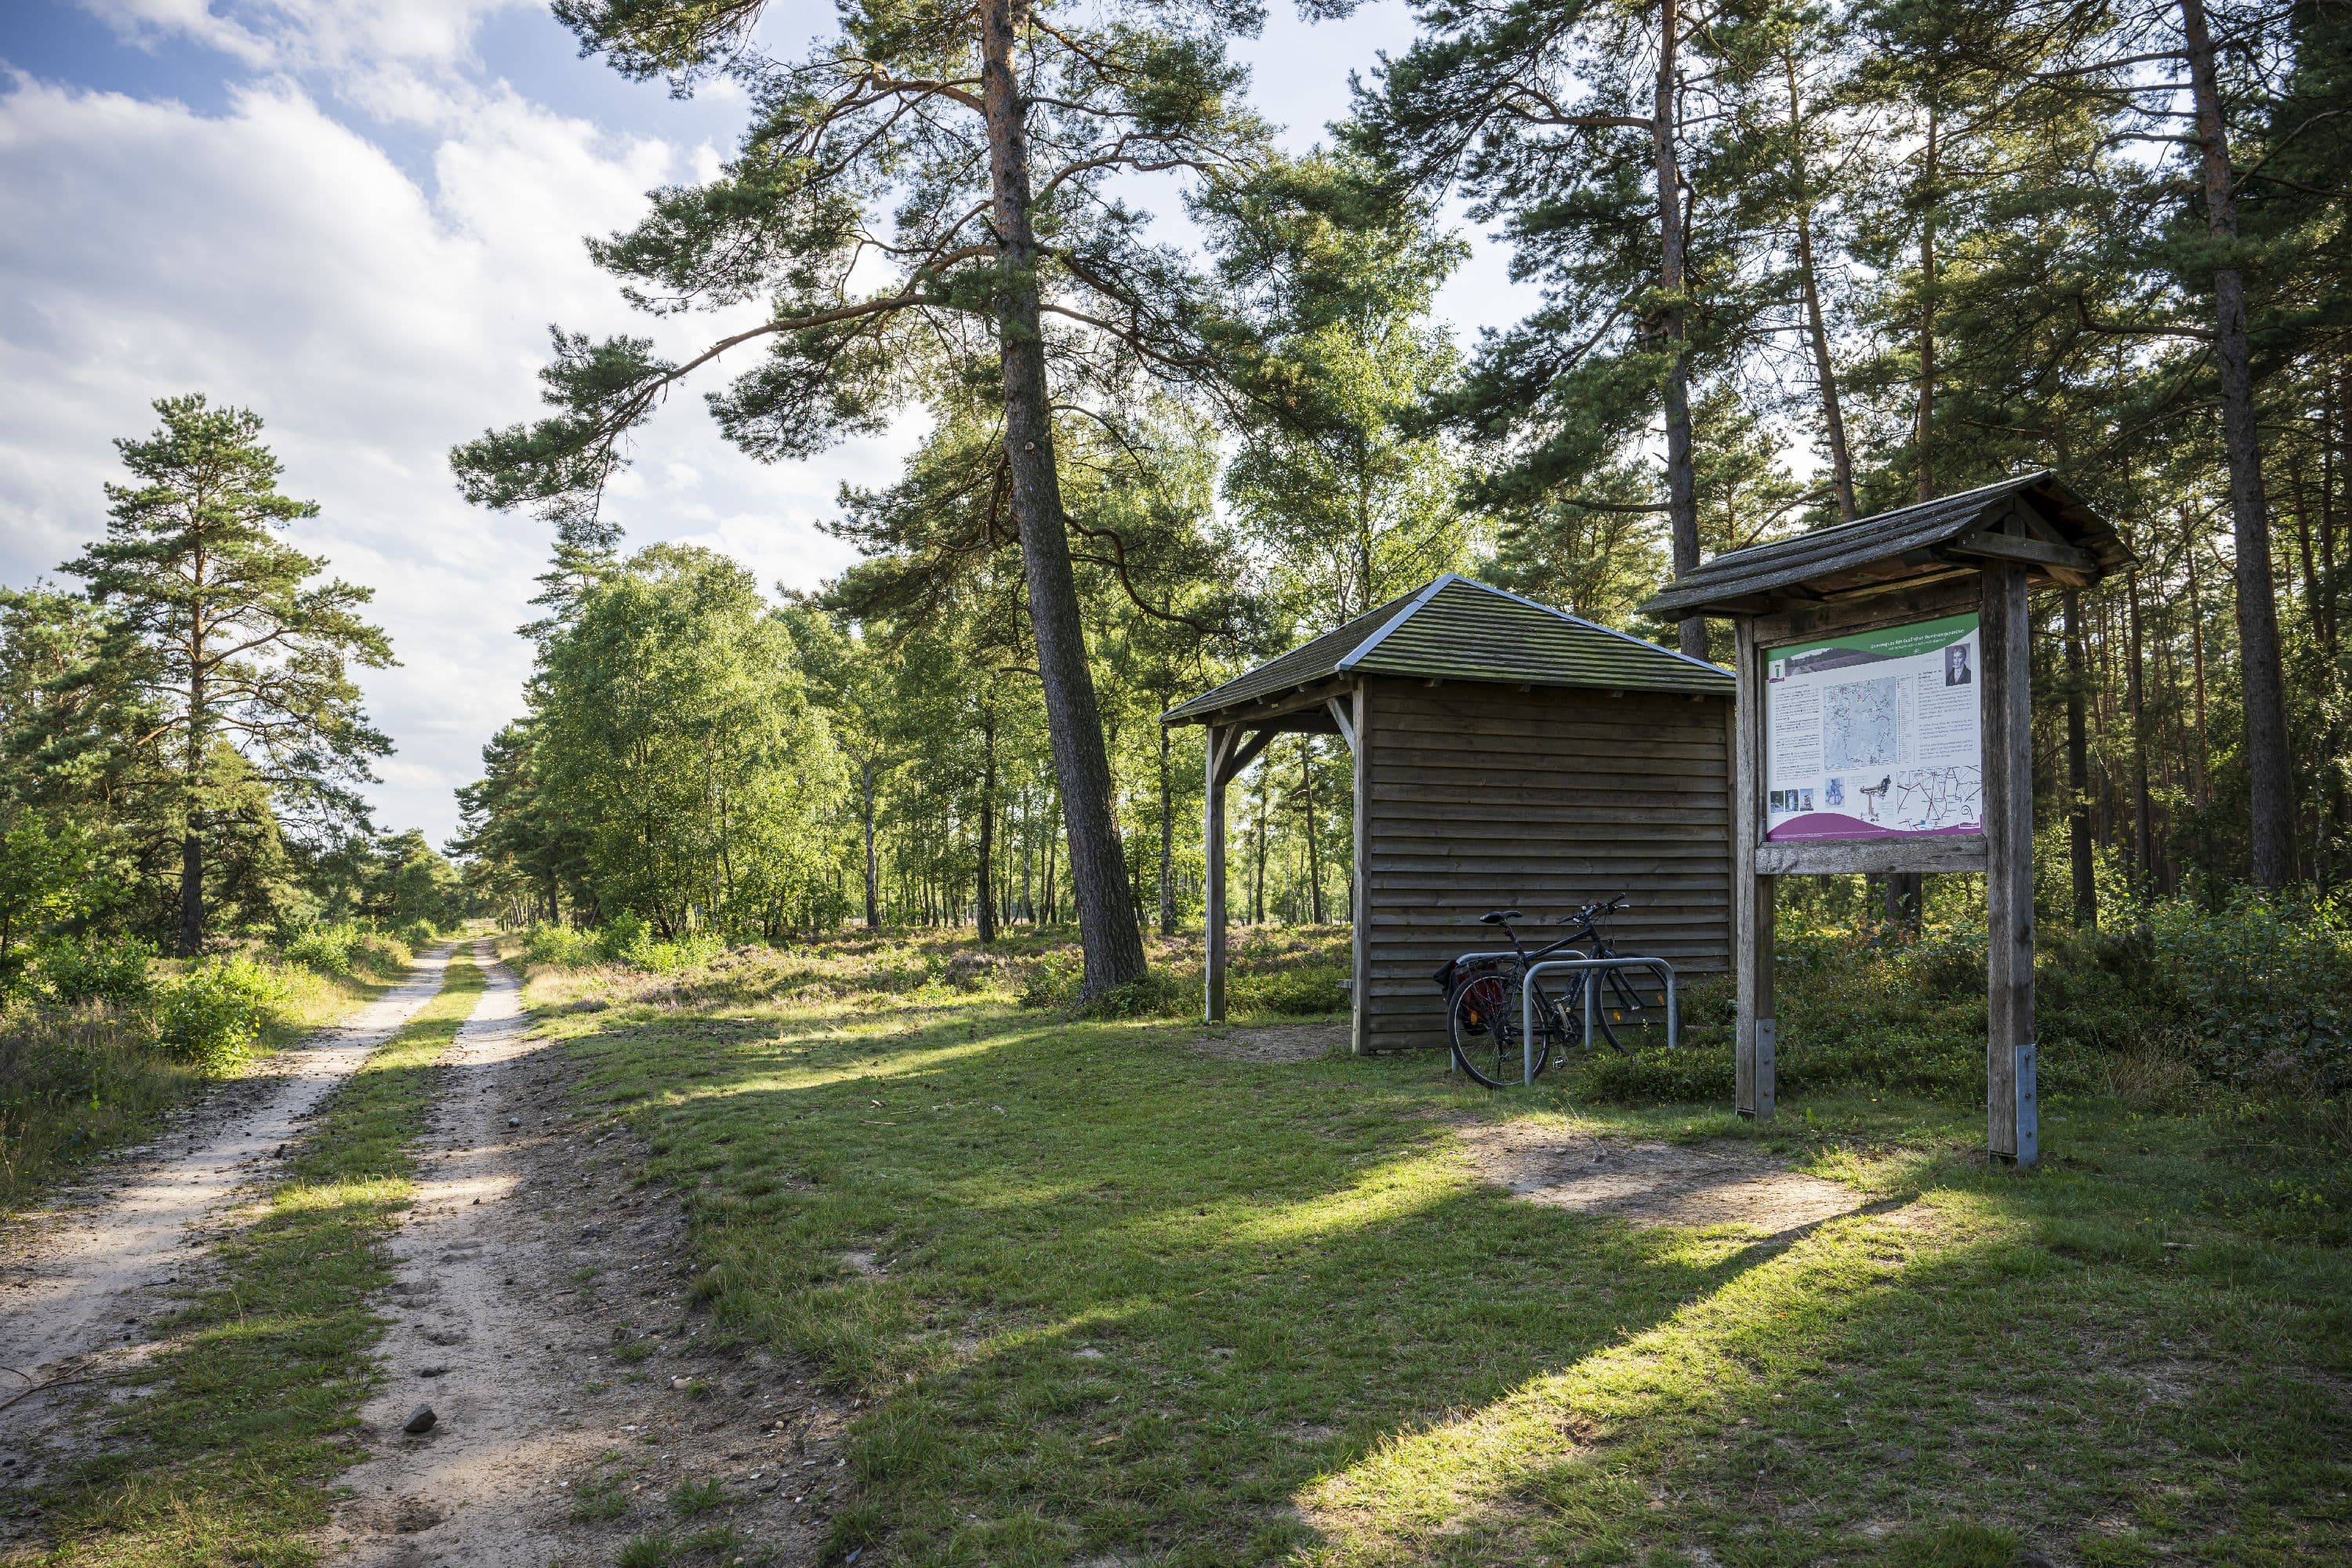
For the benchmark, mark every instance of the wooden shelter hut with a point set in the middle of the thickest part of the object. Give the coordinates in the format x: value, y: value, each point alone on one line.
x: 1507, y: 754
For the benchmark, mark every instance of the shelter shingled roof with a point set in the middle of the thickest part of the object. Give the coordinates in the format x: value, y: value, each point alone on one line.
x: 1453, y: 628
x: 2033, y: 519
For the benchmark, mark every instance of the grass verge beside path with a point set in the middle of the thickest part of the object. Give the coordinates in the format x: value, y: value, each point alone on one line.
x: 77, y: 1082
x: 1105, y: 1298
x: 246, y: 1417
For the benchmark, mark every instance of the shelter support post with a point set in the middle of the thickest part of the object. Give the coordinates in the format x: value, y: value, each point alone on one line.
x: 2010, y: 1112
x: 1352, y: 712
x: 1220, y: 739
x: 1751, y: 895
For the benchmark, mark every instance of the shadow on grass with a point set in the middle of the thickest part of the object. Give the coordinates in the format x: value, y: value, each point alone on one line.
x: 1134, y: 1302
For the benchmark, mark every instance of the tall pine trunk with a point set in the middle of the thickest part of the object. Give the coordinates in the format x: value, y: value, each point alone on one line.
x: 1306, y: 805
x: 192, y: 843
x: 1108, y: 932
x: 2078, y: 770
x: 1923, y: 417
x: 2135, y: 702
x: 1816, y: 324
x: 984, y: 895
x: 873, y: 865
x: 1682, y: 481
x: 2271, y: 802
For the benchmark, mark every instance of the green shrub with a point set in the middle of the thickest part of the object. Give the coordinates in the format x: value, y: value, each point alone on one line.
x: 211, y: 1014
x: 1285, y: 992
x: 2265, y: 985
x: 558, y: 946
x: 1053, y: 980
x: 349, y: 950
x: 385, y: 957
x: 2257, y: 995
x: 628, y: 939
x: 418, y: 933
x: 325, y: 948
x: 97, y: 969
x: 1158, y: 994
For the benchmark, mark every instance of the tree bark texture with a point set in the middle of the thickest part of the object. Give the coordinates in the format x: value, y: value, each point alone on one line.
x: 2135, y: 702
x: 2271, y: 802
x: 1682, y: 482
x: 985, y: 899
x: 1306, y: 806
x: 873, y: 865
x: 1108, y: 931
x: 1923, y: 429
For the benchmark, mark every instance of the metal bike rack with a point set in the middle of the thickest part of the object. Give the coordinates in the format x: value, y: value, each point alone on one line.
x: 1527, y: 1002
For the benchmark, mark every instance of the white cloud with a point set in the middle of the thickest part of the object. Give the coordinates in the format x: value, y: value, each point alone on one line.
x: 274, y: 256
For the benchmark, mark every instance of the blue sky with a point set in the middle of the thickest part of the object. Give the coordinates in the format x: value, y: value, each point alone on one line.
x: 358, y: 218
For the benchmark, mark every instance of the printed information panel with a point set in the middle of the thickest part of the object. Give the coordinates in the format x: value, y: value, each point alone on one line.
x: 1874, y: 735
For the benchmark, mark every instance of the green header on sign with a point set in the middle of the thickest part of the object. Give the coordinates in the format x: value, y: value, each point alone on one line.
x: 1889, y: 642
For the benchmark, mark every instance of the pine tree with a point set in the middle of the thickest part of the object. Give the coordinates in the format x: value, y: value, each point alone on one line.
x: 240, y: 658
x: 972, y: 158
x: 1570, y: 120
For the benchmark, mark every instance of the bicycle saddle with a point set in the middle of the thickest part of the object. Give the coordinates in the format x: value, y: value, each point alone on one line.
x: 1497, y: 917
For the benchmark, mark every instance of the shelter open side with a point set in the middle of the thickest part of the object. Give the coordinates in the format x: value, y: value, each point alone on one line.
x: 1507, y: 754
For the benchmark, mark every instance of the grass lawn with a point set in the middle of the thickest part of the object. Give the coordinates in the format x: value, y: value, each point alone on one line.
x: 1106, y: 1299
x: 246, y: 1413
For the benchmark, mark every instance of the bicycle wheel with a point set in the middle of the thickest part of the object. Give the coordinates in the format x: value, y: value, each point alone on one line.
x: 1482, y: 1019
x: 1625, y: 1012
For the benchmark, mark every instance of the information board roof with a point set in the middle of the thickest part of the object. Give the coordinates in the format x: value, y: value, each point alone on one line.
x: 2034, y: 520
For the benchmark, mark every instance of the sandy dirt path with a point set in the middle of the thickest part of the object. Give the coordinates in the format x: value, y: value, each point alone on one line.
x: 80, y: 1276
x: 540, y: 1309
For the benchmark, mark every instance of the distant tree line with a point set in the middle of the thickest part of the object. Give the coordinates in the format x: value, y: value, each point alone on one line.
x: 1936, y: 242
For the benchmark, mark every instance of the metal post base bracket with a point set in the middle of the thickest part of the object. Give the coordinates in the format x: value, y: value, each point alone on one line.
x: 1767, y: 1038
x: 2028, y: 1108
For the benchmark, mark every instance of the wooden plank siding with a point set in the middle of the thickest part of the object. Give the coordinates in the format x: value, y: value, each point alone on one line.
x: 1481, y: 796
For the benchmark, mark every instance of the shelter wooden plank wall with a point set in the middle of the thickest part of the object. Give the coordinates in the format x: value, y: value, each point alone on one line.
x: 1481, y: 796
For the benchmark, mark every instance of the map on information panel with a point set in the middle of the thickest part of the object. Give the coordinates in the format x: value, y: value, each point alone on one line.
x: 1874, y: 735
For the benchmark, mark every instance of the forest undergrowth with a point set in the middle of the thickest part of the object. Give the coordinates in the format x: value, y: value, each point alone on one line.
x: 1109, y: 1297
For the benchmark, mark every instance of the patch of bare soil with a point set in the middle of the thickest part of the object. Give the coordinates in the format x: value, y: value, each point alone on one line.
x: 542, y: 1313
x: 1266, y: 1042
x: 1652, y: 1184
x: 81, y: 1277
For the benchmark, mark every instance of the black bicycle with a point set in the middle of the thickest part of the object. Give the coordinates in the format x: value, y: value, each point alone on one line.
x: 1483, y: 1012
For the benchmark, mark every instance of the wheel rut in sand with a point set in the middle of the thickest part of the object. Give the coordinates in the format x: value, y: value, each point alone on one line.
x: 80, y: 1276
x: 539, y: 1309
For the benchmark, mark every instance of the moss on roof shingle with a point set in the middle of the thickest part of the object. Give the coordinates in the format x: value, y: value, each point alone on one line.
x: 1456, y: 630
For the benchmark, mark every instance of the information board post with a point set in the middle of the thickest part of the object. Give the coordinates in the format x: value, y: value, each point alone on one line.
x: 1885, y: 727
x: 2010, y: 1097
x: 1893, y: 736
x: 1752, y: 894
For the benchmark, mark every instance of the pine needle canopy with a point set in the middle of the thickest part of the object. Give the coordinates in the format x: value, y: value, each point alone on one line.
x: 1453, y: 628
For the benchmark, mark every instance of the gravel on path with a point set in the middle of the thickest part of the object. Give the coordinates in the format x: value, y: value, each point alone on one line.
x: 79, y: 1277
x: 543, y: 1311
